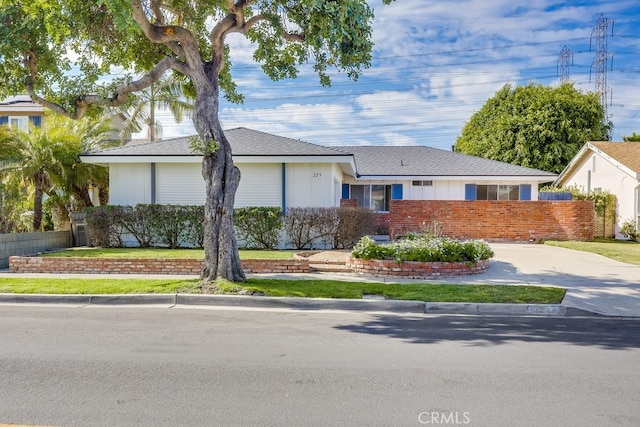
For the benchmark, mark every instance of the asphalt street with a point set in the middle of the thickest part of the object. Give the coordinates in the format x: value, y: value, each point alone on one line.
x: 150, y: 366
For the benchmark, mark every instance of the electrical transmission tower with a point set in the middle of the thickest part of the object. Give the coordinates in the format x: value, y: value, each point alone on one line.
x: 602, y: 56
x: 565, y: 59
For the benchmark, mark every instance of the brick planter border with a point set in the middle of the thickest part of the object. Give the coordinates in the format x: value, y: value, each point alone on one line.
x: 33, y: 264
x: 415, y: 269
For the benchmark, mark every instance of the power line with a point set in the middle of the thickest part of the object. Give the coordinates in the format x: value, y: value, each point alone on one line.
x: 566, y: 54
x: 602, y: 56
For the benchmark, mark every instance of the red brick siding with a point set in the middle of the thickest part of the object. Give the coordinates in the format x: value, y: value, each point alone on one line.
x: 348, y: 203
x: 510, y: 221
x: 20, y: 264
x: 382, y: 223
x: 414, y: 269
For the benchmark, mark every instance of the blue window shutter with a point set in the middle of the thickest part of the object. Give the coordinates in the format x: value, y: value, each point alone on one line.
x: 396, y: 191
x: 525, y: 191
x: 470, y: 192
x: 36, y: 120
x: 345, y: 191
x: 4, y: 120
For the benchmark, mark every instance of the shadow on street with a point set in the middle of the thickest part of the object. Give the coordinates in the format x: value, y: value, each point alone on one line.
x: 490, y: 331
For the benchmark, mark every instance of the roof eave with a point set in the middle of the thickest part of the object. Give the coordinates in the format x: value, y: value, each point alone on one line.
x: 539, y: 178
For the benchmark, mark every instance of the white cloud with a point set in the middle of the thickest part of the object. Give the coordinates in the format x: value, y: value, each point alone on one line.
x: 434, y: 65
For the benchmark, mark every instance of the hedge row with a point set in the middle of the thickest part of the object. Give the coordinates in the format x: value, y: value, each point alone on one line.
x: 176, y: 226
x: 151, y: 225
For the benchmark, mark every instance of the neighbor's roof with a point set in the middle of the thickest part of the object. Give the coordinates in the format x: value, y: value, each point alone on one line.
x: 627, y: 153
x: 244, y: 142
x: 20, y: 103
x: 428, y: 161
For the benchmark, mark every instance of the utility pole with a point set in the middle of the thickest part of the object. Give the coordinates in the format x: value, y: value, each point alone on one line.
x: 566, y: 56
x: 602, y: 56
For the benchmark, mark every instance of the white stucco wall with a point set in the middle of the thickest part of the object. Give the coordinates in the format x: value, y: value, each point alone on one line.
x: 260, y: 185
x: 179, y: 184
x: 308, y: 184
x: 608, y: 177
x: 129, y: 183
x: 311, y: 185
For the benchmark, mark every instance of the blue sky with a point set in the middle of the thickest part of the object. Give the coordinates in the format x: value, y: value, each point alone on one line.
x: 435, y: 63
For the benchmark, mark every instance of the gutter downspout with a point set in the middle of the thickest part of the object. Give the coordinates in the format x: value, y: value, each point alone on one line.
x: 636, y: 207
x: 284, y: 188
x: 153, y: 183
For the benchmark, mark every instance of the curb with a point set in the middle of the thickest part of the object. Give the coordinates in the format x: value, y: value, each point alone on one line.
x: 303, y: 304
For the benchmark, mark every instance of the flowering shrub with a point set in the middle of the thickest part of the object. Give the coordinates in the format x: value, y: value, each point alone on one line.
x: 423, y: 248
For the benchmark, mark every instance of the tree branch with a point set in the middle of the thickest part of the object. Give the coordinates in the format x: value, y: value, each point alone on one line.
x: 175, y: 37
x: 118, y: 97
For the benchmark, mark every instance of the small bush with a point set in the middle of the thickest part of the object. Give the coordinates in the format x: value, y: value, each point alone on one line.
x: 258, y: 227
x: 104, y: 226
x: 353, y: 224
x: 303, y: 225
x: 334, y: 227
x: 629, y: 230
x: 423, y: 248
x: 194, y: 226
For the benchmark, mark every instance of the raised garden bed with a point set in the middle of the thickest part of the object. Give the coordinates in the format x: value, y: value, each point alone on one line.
x: 415, y: 269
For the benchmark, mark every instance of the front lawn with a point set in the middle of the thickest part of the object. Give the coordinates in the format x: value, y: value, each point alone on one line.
x: 161, y: 253
x: 293, y: 288
x: 620, y: 250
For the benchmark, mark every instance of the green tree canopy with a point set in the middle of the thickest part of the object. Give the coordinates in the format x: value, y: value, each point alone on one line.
x: 48, y: 159
x: 632, y: 138
x: 535, y: 126
x: 42, y: 40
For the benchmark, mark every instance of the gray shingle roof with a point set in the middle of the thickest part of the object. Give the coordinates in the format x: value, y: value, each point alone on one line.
x: 429, y: 161
x: 244, y: 142
x: 369, y: 160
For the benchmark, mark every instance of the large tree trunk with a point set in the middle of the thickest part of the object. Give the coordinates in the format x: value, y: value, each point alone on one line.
x: 222, y: 178
x: 38, y: 183
x: 82, y: 195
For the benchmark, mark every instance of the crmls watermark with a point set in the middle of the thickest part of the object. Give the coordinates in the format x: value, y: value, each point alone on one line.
x: 444, y: 418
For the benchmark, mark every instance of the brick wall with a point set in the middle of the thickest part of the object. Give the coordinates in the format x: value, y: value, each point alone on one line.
x: 348, y: 203
x: 20, y: 264
x: 509, y: 221
x: 415, y: 269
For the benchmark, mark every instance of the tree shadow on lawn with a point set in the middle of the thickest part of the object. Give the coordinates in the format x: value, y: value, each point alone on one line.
x: 485, y: 331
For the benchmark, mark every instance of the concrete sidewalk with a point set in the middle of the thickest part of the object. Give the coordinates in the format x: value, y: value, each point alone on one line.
x: 594, y: 284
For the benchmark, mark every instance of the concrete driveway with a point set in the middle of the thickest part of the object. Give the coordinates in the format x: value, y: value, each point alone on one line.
x: 593, y: 282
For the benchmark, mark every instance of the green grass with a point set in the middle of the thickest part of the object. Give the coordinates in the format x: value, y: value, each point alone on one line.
x: 620, y: 250
x: 96, y: 286
x: 161, y: 253
x: 295, y: 288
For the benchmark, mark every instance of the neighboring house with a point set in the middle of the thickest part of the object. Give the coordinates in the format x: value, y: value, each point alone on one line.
x: 18, y: 111
x: 283, y: 172
x: 612, y: 167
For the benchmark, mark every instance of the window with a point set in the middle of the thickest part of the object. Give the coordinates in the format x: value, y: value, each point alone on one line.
x: 374, y: 196
x: 21, y: 123
x: 498, y: 192
x: 428, y: 183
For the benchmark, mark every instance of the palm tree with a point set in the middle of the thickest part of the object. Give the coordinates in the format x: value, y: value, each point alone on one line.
x: 48, y: 158
x: 167, y: 94
x: 30, y: 158
x: 79, y: 178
